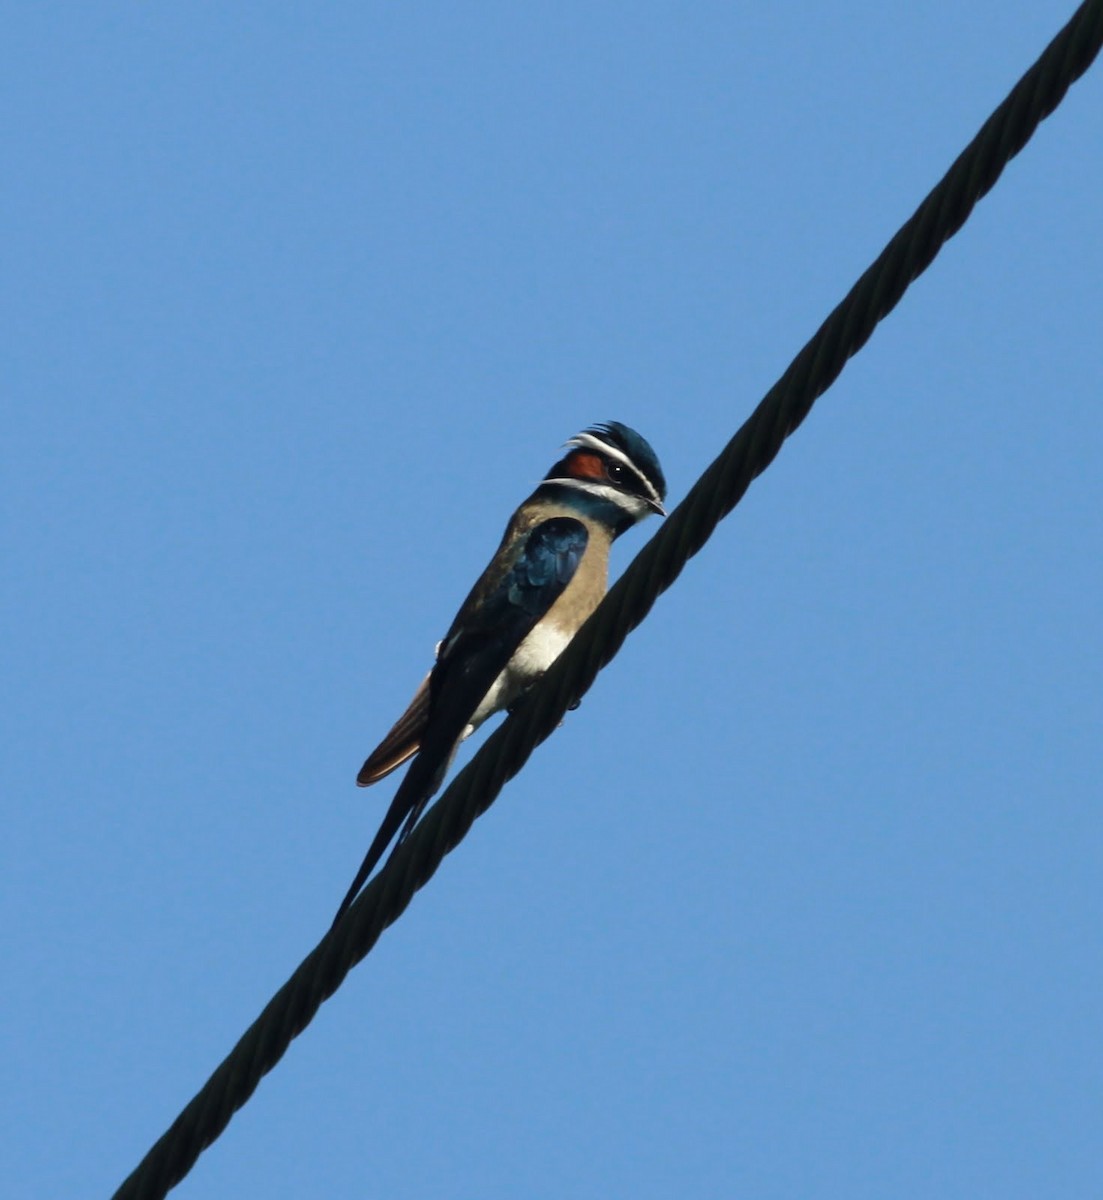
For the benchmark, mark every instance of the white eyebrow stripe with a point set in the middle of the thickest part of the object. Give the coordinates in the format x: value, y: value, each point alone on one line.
x: 587, y: 441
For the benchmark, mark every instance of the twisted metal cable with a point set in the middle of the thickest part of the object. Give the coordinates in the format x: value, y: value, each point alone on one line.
x: 654, y: 569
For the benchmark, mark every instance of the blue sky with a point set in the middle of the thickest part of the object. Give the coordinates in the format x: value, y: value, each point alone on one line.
x: 297, y: 303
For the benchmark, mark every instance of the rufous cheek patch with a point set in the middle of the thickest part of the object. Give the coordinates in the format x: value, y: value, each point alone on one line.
x: 584, y: 465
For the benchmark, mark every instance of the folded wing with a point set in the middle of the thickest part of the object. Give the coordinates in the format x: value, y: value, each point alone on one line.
x: 403, y: 741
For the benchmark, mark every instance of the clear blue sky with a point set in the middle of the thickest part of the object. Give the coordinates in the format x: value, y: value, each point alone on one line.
x: 297, y: 303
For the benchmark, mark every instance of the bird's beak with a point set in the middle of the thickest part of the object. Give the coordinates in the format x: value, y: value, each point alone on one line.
x: 657, y: 507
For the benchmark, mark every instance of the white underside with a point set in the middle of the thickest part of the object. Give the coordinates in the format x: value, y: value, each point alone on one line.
x: 533, y: 657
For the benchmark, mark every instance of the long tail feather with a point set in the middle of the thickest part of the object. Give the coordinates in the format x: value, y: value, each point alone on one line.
x: 415, y: 791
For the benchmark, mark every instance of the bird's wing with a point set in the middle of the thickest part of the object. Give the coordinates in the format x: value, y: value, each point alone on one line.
x: 480, y: 643
x: 402, y: 742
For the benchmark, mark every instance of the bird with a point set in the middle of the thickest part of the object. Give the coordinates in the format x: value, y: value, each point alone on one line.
x: 547, y: 576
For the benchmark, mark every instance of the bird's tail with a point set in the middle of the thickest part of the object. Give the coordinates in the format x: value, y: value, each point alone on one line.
x: 417, y: 788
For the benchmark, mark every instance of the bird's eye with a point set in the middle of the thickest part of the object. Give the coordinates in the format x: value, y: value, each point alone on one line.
x: 616, y: 472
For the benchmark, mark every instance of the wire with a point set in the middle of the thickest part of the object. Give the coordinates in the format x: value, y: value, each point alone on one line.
x: 687, y: 529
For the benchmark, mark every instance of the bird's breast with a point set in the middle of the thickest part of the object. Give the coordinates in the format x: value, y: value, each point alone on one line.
x: 530, y: 660
x: 537, y: 652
